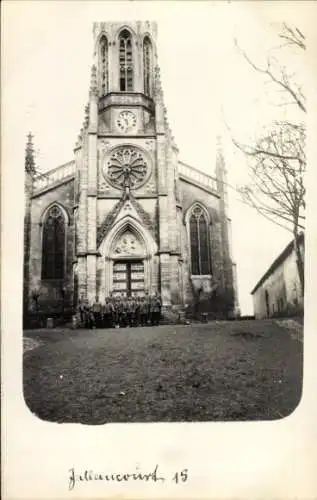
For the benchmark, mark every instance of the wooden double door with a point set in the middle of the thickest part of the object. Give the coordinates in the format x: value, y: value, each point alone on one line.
x: 128, y: 277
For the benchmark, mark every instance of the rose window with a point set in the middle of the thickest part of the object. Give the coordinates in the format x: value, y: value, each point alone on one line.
x: 126, y: 167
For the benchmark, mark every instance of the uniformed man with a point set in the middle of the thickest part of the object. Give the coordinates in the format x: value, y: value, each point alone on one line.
x: 86, y: 313
x: 144, y: 311
x: 137, y: 311
x: 89, y: 316
x: 108, y: 313
x: 112, y: 305
x: 128, y: 309
x: 81, y: 311
x: 96, y: 309
x: 122, y: 310
x: 159, y: 298
x: 147, y: 299
x: 155, y: 308
x: 116, y: 312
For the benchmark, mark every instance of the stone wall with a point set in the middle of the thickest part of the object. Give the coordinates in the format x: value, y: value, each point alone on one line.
x: 283, y: 291
x: 28, y: 182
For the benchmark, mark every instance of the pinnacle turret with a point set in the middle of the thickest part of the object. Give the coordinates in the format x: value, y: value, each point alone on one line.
x: 220, y: 161
x: 158, y: 91
x: 93, y: 80
x: 29, y: 155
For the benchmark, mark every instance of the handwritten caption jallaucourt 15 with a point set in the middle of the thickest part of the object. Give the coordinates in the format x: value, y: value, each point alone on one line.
x: 155, y: 476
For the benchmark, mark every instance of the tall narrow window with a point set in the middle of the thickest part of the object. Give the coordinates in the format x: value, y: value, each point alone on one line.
x: 53, y: 244
x: 147, y: 65
x: 125, y: 61
x: 199, y: 242
x: 103, y: 66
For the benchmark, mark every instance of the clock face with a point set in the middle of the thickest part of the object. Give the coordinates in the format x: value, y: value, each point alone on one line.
x: 126, y: 121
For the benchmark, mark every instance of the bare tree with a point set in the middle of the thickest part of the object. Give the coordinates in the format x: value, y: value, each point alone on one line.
x: 277, y: 159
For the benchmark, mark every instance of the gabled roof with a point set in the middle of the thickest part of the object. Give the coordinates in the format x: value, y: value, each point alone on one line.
x: 112, y: 217
x: 278, y: 261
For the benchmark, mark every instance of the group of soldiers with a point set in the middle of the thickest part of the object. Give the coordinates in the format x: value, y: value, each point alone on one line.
x: 120, y: 312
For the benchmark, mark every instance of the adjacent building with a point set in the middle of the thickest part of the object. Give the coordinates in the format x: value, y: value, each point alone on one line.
x: 278, y: 292
x: 125, y: 215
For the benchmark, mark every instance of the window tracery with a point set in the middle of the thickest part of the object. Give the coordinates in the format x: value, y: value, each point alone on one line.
x: 53, y: 244
x: 103, y: 65
x: 126, y: 167
x: 125, y: 61
x: 199, y: 242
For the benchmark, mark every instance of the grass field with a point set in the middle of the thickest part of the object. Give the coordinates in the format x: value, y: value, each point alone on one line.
x: 243, y: 370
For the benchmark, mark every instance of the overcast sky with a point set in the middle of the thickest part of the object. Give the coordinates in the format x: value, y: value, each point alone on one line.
x: 47, y: 60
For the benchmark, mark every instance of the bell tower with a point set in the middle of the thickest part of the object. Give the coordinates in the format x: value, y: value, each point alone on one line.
x: 125, y: 57
x: 126, y: 153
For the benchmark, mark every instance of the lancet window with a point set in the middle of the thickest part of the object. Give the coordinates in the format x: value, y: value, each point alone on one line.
x: 126, y: 61
x: 199, y: 242
x: 54, y: 244
x: 103, y: 65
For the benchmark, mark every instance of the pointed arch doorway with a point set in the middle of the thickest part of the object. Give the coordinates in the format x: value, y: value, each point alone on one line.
x: 127, y: 253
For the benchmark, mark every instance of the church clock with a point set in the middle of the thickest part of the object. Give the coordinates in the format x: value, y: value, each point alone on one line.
x: 126, y: 121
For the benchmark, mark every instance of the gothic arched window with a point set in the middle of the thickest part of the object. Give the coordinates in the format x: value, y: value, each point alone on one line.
x: 125, y: 61
x: 103, y: 65
x: 53, y: 244
x: 147, y: 65
x: 199, y: 242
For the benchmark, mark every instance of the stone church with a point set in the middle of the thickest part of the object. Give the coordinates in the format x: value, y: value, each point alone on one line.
x: 126, y: 215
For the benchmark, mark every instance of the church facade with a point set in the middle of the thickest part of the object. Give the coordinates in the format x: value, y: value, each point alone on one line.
x: 126, y: 216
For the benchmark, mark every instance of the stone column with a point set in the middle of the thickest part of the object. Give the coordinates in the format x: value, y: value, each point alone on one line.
x: 163, y: 223
x: 137, y: 59
x: 92, y: 190
x: 174, y: 228
x: 81, y: 229
x: 113, y: 76
x: 217, y: 255
x: 221, y: 174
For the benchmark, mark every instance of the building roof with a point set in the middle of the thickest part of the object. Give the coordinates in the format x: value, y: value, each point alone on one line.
x: 279, y: 260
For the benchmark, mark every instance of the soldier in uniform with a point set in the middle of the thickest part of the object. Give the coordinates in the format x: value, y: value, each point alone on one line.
x: 127, y: 312
x: 112, y: 304
x: 124, y: 311
x: 89, y: 316
x: 155, y: 309
x: 81, y: 311
x: 137, y: 311
x: 116, y: 312
x: 148, y: 304
x: 108, y: 313
x: 144, y: 311
x: 96, y: 309
x: 86, y: 314
x: 121, y: 308
x: 159, y: 298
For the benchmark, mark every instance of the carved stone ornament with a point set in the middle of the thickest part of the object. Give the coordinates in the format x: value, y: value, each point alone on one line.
x: 104, y: 144
x: 126, y: 167
x: 128, y: 245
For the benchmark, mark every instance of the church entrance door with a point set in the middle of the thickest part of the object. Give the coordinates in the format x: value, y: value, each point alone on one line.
x: 128, y: 277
